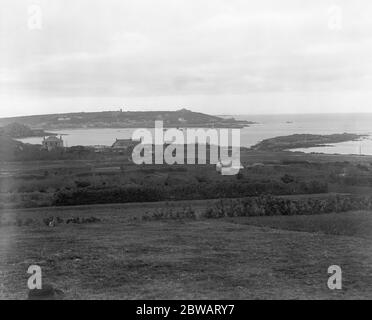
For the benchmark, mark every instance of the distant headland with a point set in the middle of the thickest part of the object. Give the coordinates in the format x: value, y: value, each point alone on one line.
x: 125, y: 119
x: 303, y: 141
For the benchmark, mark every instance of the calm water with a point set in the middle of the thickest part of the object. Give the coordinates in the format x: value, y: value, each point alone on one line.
x: 273, y: 126
x: 269, y: 126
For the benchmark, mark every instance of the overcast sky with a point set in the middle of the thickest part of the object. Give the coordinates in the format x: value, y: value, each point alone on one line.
x: 214, y: 56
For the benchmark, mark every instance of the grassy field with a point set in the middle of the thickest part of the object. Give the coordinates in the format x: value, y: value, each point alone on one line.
x: 352, y: 224
x: 123, y: 257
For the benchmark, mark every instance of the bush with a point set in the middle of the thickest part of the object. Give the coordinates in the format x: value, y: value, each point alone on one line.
x: 288, y: 178
x: 170, y: 214
x: 82, y: 184
x: 270, y: 206
x: 109, y: 195
x: 195, y: 191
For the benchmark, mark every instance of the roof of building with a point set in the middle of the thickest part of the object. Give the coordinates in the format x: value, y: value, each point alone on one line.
x: 122, y: 143
x: 52, y: 139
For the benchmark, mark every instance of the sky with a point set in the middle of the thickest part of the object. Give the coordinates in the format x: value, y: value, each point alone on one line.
x: 212, y: 56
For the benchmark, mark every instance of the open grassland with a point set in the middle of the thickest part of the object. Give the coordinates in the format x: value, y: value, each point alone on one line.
x: 124, y: 257
x: 170, y: 250
x: 352, y: 224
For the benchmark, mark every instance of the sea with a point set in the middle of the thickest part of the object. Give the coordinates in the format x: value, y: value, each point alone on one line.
x: 265, y: 127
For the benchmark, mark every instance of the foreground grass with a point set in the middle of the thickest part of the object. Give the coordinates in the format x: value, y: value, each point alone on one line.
x: 240, y: 258
x: 353, y: 224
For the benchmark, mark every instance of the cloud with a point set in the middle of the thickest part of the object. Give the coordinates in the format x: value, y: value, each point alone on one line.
x: 189, y: 51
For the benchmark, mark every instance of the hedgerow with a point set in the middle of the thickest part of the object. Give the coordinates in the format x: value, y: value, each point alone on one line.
x: 271, y: 206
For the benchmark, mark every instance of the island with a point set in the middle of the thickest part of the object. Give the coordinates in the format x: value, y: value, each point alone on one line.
x: 297, y: 141
x: 125, y: 119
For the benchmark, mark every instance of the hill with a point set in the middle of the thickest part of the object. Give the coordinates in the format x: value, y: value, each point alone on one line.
x: 124, y: 119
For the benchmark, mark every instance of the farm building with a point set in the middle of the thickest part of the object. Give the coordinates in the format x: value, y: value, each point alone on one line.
x: 121, y: 145
x: 52, y: 143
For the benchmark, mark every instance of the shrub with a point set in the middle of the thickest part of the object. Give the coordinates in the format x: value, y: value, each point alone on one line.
x: 269, y: 206
x: 82, y: 184
x: 288, y: 178
x: 109, y: 195
x: 170, y: 214
x: 184, y: 191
